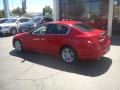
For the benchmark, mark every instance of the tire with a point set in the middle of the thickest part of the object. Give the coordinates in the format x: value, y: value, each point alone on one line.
x: 68, y: 55
x: 18, y: 46
x: 13, y: 31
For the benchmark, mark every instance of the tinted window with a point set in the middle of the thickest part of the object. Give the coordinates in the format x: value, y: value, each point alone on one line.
x: 56, y: 29
x: 23, y: 20
x: 30, y: 21
x: 83, y: 27
x: 62, y: 29
x: 36, y: 20
x: 3, y: 20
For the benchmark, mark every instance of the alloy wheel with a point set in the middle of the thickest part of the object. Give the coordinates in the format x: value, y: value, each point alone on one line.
x: 18, y: 46
x: 68, y: 55
x: 13, y: 31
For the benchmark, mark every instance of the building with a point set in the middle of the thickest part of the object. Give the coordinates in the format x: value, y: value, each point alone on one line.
x: 103, y: 14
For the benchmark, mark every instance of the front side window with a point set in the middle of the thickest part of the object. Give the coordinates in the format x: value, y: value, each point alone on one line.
x: 40, y: 30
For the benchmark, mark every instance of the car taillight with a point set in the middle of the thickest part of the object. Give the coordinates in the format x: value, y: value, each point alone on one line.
x: 89, y: 42
x: 94, y: 39
x: 97, y: 38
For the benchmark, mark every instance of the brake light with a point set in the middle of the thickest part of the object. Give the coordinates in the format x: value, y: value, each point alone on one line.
x: 94, y: 39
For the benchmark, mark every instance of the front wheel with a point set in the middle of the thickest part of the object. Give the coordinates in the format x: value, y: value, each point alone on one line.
x: 68, y: 54
x: 18, y: 46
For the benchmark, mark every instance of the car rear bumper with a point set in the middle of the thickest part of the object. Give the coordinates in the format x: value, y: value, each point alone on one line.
x: 94, y: 53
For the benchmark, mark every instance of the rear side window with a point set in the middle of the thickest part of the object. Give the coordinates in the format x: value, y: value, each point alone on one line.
x: 57, y: 29
x: 62, y: 29
x: 83, y: 27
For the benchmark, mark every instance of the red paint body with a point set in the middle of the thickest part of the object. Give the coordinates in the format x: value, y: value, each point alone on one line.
x: 88, y: 45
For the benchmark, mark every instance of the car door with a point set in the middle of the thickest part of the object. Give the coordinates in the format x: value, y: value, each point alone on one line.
x: 35, y: 40
x: 55, y: 37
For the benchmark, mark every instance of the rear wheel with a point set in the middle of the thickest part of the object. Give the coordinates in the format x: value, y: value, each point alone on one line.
x: 13, y: 31
x: 68, y: 54
x: 18, y: 46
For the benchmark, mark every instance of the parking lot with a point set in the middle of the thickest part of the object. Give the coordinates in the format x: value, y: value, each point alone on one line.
x: 36, y: 71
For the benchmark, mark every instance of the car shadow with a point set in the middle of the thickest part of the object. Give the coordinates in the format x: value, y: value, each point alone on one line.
x: 87, y: 68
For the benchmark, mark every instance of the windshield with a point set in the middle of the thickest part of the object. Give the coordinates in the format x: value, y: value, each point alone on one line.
x: 34, y: 20
x: 11, y: 21
x: 83, y: 27
x: 37, y: 20
x: 30, y: 21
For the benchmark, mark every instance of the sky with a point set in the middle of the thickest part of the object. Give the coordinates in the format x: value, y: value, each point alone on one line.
x: 32, y: 5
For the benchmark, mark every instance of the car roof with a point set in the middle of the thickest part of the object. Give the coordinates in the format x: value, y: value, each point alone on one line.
x: 64, y: 22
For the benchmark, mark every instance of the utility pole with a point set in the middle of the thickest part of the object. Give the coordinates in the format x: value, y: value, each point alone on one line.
x: 6, y: 8
x: 24, y: 4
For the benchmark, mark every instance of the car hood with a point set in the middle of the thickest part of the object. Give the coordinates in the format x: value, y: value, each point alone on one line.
x: 7, y: 24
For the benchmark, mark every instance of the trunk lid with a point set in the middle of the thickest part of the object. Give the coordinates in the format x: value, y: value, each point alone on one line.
x: 99, y: 38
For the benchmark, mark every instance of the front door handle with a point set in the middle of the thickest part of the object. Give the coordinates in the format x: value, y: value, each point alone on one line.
x: 43, y: 39
x: 36, y: 39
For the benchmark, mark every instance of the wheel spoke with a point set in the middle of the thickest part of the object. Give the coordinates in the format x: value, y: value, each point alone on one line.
x: 18, y: 46
x: 71, y: 53
x: 68, y: 55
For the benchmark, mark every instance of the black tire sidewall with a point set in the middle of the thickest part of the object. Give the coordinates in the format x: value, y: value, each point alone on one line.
x: 12, y: 31
x: 21, y: 45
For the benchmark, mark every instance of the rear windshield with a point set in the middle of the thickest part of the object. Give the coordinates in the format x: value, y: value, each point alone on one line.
x: 83, y: 27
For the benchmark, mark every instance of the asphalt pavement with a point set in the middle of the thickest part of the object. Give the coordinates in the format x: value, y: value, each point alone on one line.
x: 36, y: 71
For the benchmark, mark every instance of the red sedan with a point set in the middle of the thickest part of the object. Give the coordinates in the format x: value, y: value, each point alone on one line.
x: 70, y: 39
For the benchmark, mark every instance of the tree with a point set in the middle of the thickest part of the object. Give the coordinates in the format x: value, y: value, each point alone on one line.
x: 2, y: 14
x: 47, y: 10
x: 18, y: 11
